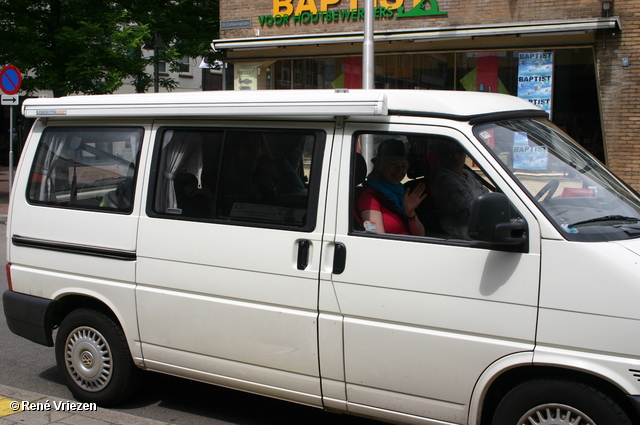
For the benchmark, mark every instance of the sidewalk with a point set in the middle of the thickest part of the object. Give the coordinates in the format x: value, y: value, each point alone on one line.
x: 52, y: 410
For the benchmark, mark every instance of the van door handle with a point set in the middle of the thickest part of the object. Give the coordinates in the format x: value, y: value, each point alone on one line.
x: 339, y: 258
x: 303, y: 254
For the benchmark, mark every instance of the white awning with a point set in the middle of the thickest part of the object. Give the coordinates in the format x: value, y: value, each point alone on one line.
x: 226, y: 103
x: 539, y: 29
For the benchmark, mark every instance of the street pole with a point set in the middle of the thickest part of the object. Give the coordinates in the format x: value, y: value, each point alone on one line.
x: 156, y: 44
x: 367, y: 47
x: 156, y: 77
x: 10, y: 148
x: 368, y: 67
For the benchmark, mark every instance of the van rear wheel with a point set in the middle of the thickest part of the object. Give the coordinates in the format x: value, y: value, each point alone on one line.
x: 558, y: 402
x: 93, y: 358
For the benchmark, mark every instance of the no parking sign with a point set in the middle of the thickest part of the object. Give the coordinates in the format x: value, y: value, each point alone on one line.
x: 10, y: 82
x: 10, y: 79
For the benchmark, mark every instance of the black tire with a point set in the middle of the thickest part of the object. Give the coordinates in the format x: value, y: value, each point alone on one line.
x: 557, y: 402
x: 93, y: 358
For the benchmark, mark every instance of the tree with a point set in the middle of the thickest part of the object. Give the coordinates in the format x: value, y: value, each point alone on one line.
x: 91, y: 46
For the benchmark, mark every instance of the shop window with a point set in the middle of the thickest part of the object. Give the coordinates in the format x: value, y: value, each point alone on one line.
x: 571, y: 98
x: 89, y: 168
x: 261, y: 178
x: 494, y: 72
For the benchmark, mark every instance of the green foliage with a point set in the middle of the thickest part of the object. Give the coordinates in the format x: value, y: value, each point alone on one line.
x: 91, y: 46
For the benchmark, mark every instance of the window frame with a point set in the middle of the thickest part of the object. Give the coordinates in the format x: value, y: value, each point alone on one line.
x: 429, y: 237
x: 314, y: 182
x: 85, y: 128
x: 184, y: 67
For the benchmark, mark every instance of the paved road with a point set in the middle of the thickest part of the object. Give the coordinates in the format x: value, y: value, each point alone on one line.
x: 29, y: 366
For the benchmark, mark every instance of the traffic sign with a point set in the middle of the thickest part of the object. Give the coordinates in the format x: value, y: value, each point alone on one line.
x: 10, y: 100
x: 10, y: 79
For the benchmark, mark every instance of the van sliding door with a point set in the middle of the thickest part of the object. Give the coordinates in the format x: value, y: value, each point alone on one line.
x: 229, y: 255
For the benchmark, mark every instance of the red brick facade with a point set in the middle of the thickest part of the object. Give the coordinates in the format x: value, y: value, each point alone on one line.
x: 620, y: 92
x: 459, y: 13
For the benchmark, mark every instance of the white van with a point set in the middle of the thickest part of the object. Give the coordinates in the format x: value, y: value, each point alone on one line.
x: 222, y: 237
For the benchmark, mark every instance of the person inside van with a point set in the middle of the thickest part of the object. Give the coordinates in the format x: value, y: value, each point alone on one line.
x: 453, y: 188
x: 385, y: 206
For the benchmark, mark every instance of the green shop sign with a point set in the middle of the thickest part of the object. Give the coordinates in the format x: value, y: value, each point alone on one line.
x: 285, y: 12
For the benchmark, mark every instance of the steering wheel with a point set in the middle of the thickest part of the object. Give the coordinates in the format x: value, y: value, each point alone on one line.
x: 550, y: 187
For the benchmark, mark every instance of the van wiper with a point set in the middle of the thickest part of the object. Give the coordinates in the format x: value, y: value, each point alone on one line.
x: 606, y: 218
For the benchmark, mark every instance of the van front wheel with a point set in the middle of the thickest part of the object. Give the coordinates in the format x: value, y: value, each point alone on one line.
x: 93, y: 357
x: 558, y: 402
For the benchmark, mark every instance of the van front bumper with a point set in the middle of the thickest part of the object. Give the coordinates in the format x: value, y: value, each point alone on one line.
x: 29, y: 317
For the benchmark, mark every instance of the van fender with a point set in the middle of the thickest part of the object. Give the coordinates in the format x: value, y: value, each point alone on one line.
x: 622, y: 372
x: 130, y: 327
x: 489, y: 375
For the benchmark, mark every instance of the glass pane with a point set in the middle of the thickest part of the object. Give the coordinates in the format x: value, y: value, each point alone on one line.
x: 574, y: 190
x: 390, y: 168
x: 265, y: 176
x: 495, y: 72
x: 259, y: 177
x: 419, y: 71
x: 189, y: 166
x: 86, y: 168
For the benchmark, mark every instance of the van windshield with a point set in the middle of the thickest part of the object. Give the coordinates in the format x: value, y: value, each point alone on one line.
x: 575, y: 191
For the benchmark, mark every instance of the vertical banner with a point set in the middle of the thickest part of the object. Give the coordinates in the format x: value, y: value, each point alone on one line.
x: 487, y: 77
x: 527, y: 157
x: 535, y: 77
x: 353, y: 73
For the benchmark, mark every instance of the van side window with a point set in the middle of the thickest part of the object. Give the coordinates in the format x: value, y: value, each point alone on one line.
x: 188, y: 159
x: 437, y: 171
x: 254, y: 177
x: 91, y: 168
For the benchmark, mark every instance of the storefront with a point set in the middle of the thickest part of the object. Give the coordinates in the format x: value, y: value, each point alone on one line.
x: 571, y: 58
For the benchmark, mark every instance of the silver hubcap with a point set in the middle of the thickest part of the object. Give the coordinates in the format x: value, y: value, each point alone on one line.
x: 88, y: 359
x: 555, y: 414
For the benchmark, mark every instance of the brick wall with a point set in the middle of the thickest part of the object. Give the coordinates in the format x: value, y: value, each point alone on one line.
x: 620, y: 92
x: 459, y: 12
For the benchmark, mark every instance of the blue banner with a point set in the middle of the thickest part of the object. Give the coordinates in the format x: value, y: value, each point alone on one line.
x: 535, y: 78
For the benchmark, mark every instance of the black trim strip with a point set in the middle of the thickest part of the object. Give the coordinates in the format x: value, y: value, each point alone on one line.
x: 92, y: 251
x: 475, y: 119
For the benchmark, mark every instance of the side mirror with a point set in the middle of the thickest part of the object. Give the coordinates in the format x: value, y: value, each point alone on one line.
x: 491, y: 222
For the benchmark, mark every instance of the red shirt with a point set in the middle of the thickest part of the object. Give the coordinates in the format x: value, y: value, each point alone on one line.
x: 393, y: 223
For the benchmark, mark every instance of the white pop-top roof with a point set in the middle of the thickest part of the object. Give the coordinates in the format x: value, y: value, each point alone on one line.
x: 280, y: 103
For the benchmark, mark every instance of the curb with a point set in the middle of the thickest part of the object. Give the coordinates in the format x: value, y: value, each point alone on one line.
x: 64, y: 415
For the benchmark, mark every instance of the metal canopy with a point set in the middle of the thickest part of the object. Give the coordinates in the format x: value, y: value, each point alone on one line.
x: 543, y: 28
